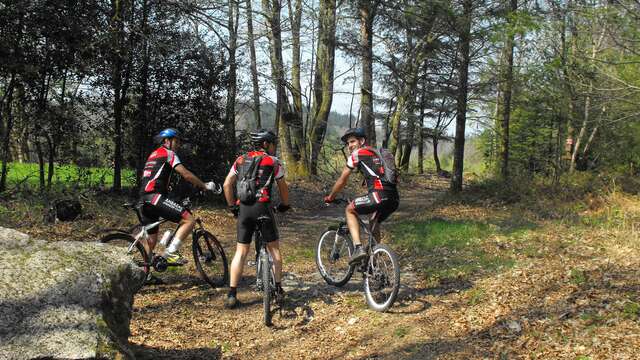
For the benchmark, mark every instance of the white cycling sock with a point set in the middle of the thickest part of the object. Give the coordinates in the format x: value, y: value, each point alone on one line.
x: 174, y: 246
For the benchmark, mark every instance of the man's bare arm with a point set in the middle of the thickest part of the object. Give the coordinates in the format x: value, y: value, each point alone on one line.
x: 229, y: 182
x: 340, y: 183
x: 189, y: 176
x: 283, y: 188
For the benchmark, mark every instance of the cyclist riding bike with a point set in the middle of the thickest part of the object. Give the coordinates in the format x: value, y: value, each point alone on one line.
x: 153, y: 194
x: 382, y: 199
x: 269, y: 169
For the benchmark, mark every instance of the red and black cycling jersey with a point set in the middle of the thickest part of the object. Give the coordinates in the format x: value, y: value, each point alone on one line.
x: 269, y: 169
x: 372, y: 168
x: 157, y: 171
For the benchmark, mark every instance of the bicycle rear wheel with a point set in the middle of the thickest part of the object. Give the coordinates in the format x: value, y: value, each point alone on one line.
x: 265, y: 275
x: 332, y: 257
x: 382, y: 279
x: 210, y: 259
x: 124, y: 240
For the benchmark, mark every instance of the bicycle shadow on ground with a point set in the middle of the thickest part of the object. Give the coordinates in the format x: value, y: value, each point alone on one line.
x: 143, y: 352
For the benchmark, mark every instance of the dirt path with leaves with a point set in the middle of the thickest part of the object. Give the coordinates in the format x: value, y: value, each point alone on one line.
x: 496, y: 280
x: 555, y: 294
x: 185, y: 319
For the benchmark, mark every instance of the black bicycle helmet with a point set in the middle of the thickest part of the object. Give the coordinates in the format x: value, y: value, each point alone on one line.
x: 357, y: 132
x: 258, y: 137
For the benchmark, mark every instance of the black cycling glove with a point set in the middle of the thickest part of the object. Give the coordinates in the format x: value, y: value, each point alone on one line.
x: 234, y: 209
x: 283, y: 208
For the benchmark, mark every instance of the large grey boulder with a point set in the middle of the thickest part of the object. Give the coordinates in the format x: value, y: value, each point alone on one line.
x: 64, y: 300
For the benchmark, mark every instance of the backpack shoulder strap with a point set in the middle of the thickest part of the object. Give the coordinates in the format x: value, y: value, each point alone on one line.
x: 255, y: 165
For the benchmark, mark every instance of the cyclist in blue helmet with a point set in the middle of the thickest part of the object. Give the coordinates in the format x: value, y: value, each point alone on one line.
x: 154, y: 188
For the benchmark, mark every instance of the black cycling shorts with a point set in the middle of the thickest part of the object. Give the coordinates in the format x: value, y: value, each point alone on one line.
x: 247, y: 223
x: 376, y: 202
x: 155, y: 206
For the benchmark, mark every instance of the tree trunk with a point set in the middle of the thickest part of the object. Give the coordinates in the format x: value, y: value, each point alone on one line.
x: 463, y: 88
x: 436, y: 158
x: 51, y: 149
x: 142, y: 122
x: 6, y: 131
x: 408, y: 143
x: 507, y: 81
x: 421, y: 135
x: 367, y: 11
x: 387, y: 133
x: 295, y: 117
x: 271, y: 10
x: 40, y: 161
x: 230, y: 123
x: 120, y: 82
x: 394, y: 131
x: 323, y: 83
x: 587, y: 105
x: 568, y: 66
x: 254, y: 66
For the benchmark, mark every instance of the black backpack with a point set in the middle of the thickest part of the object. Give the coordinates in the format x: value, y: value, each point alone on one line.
x: 63, y: 210
x: 247, y: 185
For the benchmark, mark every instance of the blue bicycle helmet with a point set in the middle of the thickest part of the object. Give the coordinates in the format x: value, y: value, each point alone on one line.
x: 167, y: 133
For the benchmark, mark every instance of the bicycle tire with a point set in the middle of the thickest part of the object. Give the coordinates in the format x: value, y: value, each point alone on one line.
x: 265, y: 274
x: 210, y: 259
x: 123, y: 239
x: 379, y: 276
x: 326, y: 258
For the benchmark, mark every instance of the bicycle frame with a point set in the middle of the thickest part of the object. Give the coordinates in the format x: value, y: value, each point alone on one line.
x: 144, y: 232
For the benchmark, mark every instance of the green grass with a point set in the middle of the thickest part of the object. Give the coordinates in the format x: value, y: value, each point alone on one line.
x: 401, y: 331
x: 577, y: 277
x: 631, y: 310
x: 453, y: 249
x: 28, y: 173
x: 476, y: 296
x: 434, y: 233
x: 300, y: 254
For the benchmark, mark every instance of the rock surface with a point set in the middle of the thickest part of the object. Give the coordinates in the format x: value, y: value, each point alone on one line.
x: 64, y: 300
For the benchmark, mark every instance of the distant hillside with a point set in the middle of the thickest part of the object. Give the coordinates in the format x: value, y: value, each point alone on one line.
x: 338, y: 123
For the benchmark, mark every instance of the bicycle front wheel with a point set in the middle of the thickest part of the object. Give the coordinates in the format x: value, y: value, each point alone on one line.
x: 210, y: 259
x: 124, y: 240
x: 382, y: 278
x: 332, y: 257
x: 265, y: 275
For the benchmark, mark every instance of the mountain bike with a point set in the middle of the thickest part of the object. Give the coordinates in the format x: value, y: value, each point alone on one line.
x: 380, y: 269
x: 265, y: 276
x: 208, y: 254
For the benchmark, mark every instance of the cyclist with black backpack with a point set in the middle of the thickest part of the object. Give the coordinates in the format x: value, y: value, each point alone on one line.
x: 252, y: 175
x: 378, y: 168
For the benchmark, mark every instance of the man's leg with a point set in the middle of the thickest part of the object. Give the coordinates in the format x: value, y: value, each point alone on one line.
x: 354, y: 230
x: 150, y: 244
x: 185, y: 226
x: 237, y: 265
x: 184, y: 229
x: 353, y: 224
x: 274, y: 249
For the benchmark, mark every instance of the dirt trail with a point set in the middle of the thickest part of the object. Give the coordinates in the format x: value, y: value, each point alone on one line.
x: 525, y: 284
x: 184, y: 319
x: 566, y: 292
